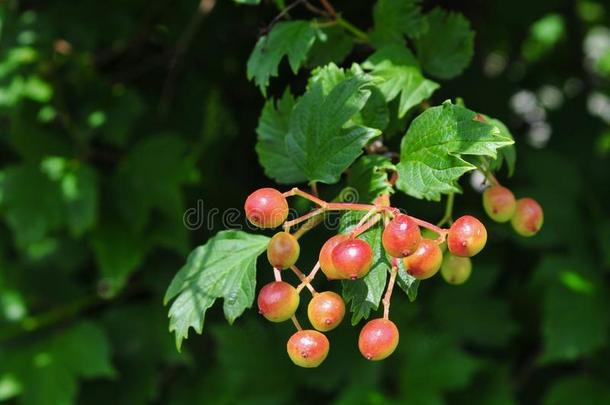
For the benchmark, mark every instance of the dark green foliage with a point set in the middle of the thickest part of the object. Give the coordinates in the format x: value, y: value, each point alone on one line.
x: 118, y: 118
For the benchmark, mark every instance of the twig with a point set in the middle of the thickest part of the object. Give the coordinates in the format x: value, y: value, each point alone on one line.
x: 289, y: 224
x: 304, y: 280
x: 448, y: 217
x: 388, y: 292
x: 296, y: 323
x: 280, y: 16
x: 277, y: 273
x: 309, y: 278
x: 204, y: 8
x: 329, y: 8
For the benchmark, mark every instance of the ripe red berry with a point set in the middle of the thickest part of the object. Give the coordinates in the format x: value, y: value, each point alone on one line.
x: 401, y: 236
x: 266, y: 208
x: 352, y: 258
x: 467, y: 236
x: 528, y: 217
x: 456, y: 270
x: 499, y: 203
x: 426, y: 260
x: 283, y: 250
x: 278, y: 301
x: 326, y: 261
x: 326, y: 311
x: 378, y: 339
x: 307, y: 348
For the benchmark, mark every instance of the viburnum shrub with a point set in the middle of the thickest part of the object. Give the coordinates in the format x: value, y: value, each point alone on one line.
x: 340, y: 131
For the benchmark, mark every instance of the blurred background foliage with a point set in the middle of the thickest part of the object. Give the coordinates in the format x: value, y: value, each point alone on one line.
x: 117, y: 116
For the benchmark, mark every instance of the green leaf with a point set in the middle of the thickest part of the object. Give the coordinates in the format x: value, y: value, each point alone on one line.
x: 431, y: 152
x: 396, y: 18
x: 506, y: 154
x: 49, y: 369
x: 225, y: 267
x: 118, y: 252
x: 472, y: 312
x: 86, y: 360
x: 78, y: 186
x: 80, y: 193
x: 431, y: 364
x: 332, y: 45
x: 320, y: 141
x: 365, y: 293
x: 578, y: 389
x: 291, y: 39
x: 152, y: 177
x: 574, y: 323
x: 29, y: 216
x: 446, y: 48
x: 369, y: 177
x: 272, y: 129
x: 248, y: 2
x: 401, y: 75
x: 374, y: 114
x: 406, y: 282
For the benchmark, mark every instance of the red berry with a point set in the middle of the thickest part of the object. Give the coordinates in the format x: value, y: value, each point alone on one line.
x: 499, y: 203
x: 278, y: 301
x: 307, y: 348
x: 401, y: 236
x: 456, y: 270
x: 283, y: 250
x: 266, y: 208
x: 426, y: 260
x: 378, y: 339
x: 326, y: 261
x: 528, y: 217
x: 467, y: 236
x: 352, y: 258
x: 326, y: 311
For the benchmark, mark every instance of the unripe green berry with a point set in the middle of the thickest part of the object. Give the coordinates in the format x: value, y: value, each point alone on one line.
x: 266, y: 208
x: 426, y: 260
x: 456, y: 270
x: 467, y: 236
x: 283, y: 250
x: 430, y: 234
x: 401, y: 236
x: 326, y: 311
x: 326, y: 261
x: 307, y: 348
x: 378, y: 339
x: 352, y: 258
x: 499, y: 203
x: 278, y: 301
x: 528, y: 217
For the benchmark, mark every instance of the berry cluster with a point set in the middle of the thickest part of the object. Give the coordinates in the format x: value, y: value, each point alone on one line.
x: 524, y: 214
x: 346, y: 257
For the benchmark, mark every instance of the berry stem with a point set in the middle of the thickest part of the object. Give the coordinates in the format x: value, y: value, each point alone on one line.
x: 349, y: 207
x: 308, y: 226
x: 487, y: 172
x: 312, y: 273
x: 307, y: 196
x: 296, y: 323
x: 289, y: 224
x: 304, y: 280
x: 388, y: 292
x: 314, y: 188
x: 363, y: 228
x: 442, y: 232
x: 448, y: 217
x: 362, y: 221
x: 277, y: 274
